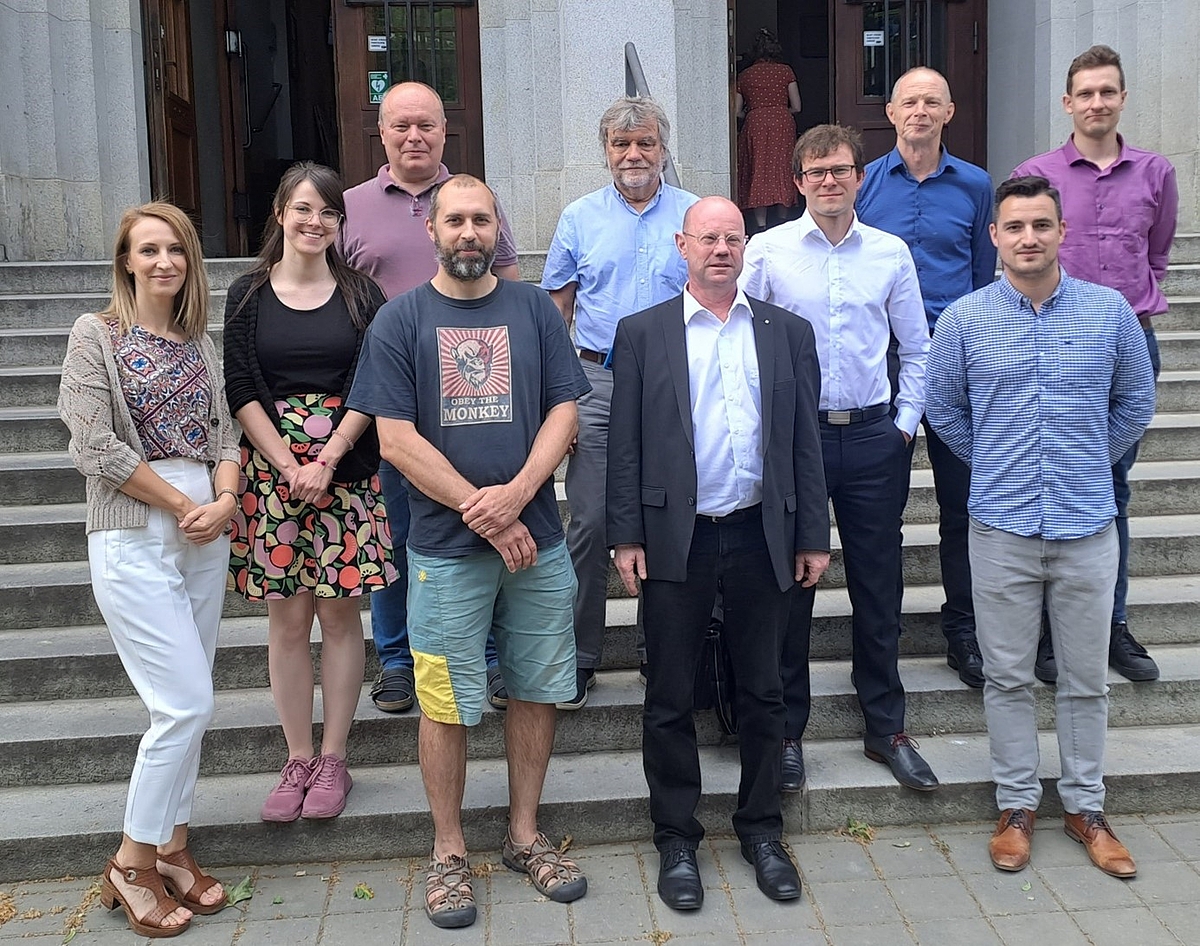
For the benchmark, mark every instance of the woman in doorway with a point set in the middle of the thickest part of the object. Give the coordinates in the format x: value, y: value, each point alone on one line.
x: 310, y: 536
x: 141, y: 393
x: 768, y: 94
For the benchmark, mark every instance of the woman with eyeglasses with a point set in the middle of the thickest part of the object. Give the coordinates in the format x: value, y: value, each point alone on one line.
x: 310, y: 536
x: 141, y: 394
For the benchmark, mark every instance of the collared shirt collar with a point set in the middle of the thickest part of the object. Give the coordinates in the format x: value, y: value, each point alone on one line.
x: 1018, y: 298
x: 892, y: 160
x: 1075, y: 156
x: 386, y: 180
x: 650, y: 206
x: 691, y: 306
x: 807, y: 226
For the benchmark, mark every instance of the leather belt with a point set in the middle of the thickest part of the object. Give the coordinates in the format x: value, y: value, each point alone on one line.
x: 857, y: 416
x: 738, y: 515
x: 596, y: 357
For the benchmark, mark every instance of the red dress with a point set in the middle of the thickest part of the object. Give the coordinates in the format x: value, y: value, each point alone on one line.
x: 767, y: 137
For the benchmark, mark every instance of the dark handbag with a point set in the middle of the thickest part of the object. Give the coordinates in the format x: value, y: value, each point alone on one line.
x: 714, y: 679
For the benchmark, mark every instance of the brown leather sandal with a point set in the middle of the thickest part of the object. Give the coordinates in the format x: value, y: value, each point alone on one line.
x: 148, y: 879
x: 200, y: 883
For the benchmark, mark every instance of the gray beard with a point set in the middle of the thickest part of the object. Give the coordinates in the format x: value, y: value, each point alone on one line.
x: 463, y: 269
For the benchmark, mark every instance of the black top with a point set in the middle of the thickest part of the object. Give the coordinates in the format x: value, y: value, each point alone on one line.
x: 304, y: 351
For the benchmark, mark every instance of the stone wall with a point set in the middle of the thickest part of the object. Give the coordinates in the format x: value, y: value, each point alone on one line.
x: 72, y: 125
x: 551, y: 67
x: 1031, y: 44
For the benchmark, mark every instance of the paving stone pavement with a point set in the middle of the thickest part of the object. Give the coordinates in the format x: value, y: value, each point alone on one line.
x: 929, y: 886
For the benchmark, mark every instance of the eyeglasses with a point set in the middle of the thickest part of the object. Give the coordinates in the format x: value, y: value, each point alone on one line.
x: 329, y: 217
x: 817, y: 175
x: 735, y: 241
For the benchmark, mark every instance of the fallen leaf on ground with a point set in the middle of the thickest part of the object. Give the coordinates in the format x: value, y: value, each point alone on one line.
x: 244, y: 890
x: 363, y: 892
x: 902, y: 844
x: 7, y: 910
x: 277, y: 900
x: 1027, y: 886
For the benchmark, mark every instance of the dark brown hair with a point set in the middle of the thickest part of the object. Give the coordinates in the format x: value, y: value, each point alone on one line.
x: 1093, y: 58
x: 1028, y: 186
x: 821, y: 140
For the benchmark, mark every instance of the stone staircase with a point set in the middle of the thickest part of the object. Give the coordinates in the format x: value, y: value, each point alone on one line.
x: 70, y: 723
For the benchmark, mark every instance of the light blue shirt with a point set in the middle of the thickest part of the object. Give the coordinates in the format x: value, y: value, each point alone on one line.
x: 856, y: 295
x: 623, y: 261
x: 1041, y: 403
x: 726, y: 406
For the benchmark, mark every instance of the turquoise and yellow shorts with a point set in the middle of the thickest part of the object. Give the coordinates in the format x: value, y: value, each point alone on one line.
x: 454, y: 602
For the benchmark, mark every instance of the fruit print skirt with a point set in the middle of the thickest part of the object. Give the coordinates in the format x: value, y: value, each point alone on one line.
x: 337, y: 547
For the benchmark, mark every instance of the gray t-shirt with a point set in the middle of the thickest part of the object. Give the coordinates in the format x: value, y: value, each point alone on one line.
x: 477, y: 378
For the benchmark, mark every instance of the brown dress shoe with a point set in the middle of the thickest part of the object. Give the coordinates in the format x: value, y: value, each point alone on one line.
x: 1009, y: 846
x: 1090, y: 828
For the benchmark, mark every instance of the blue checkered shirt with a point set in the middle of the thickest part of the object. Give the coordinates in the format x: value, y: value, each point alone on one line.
x: 1041, y: 404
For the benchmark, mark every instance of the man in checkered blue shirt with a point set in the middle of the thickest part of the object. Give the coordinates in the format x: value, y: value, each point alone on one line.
x: 1040, y: 382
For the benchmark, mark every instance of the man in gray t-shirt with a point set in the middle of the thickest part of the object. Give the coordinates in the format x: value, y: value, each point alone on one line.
x: 473, y: 382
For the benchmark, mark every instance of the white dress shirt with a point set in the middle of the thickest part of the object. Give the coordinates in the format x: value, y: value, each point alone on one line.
x: 855, y: 295
x: 726, y: 406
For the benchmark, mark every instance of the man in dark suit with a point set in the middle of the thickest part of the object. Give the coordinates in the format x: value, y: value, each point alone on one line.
x: 715, y: 480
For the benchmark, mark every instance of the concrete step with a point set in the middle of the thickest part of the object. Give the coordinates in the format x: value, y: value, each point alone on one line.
x: 78, y: 661
x: 35, y: 478
x: 1183, y: 315
x: 57, y: 310
x: 1186, y: 248
x: 595, y: 797
x: 95, y: 276
x: 1180, y: 350
x: 101, y: 736
x: 31, y: 430
x: 46, y: 347
x: 1183, y: 279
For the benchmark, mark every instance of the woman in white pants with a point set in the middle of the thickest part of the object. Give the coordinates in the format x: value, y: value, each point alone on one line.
x: 143, y: 398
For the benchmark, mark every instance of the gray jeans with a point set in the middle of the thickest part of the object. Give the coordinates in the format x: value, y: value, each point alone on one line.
x: 1012, y: 576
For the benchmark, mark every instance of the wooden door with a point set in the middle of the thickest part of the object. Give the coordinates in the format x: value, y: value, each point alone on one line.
x: 171, y: 114
x: 235, y: 127
x: 874, y: 43
x: 432, y: 42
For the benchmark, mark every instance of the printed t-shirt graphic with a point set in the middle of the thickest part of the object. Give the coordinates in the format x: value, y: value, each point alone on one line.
x: 476, y: 375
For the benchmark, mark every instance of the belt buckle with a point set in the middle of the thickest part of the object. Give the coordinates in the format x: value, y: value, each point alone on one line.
x: 840, y: 418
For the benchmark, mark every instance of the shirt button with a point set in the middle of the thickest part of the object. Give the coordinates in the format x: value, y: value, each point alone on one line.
x: 641, y: 249
x: 691, y: 500
x: 216, y: 422
x: 211, y: 464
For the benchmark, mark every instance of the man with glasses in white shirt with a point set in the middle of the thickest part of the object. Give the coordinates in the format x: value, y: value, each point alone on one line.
x: 857, y: 286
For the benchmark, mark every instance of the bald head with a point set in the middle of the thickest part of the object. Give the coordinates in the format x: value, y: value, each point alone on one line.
x: 405, y: 93
x: 712, y: 242
x: 920, y: 108
x: 412, y: 125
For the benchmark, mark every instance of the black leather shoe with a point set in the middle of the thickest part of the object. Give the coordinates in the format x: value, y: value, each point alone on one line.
x: 394, y: 690
x: 1128, y: 657
x: 774, y: 870
x: 962, y: 654
x: 585, y: 679
x: 679, y: 884
x: 899, y: 753
x: 1045, y: 667
x: 793, y: 766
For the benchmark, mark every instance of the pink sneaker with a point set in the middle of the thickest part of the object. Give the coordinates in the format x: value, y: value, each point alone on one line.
x: 286, y: 798
x: 328, y: 787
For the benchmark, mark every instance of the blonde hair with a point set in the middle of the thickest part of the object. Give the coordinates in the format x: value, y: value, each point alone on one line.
x: 191, y: 302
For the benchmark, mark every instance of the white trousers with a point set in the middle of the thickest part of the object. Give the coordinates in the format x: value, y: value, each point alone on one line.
x: 161, y: 597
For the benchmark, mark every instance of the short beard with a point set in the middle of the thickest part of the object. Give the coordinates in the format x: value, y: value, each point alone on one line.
x: 465, y: 269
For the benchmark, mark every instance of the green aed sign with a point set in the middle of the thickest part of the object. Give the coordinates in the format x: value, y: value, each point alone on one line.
x: 377, y: 83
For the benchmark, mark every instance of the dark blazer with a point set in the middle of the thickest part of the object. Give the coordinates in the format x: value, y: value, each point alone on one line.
x: 651, y: 462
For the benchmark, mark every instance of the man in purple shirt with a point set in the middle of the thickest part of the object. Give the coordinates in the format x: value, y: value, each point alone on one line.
x: 385, y: 236
x: 1120, y: 205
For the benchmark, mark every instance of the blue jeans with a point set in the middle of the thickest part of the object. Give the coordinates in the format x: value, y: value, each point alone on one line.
x: 389, y: 607
x: 1122, y: 492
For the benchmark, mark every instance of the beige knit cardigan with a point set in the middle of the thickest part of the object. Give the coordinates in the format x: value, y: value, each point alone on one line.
x: 105, y: 446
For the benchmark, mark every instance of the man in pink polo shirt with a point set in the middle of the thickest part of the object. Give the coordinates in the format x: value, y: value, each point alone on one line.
x: 1120, y: 205
x: 384, y: 235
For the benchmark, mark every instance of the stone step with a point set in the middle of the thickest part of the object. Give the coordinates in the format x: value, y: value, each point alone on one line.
x: 595, y: 797
x: 101, y: 736
x: 1186, y: 248
x: 1183, y: 315
x: 1183, y: 279
x: 36, y: 478
x: 95, y: 276
x: 79, y: 662
x: 46, y: 347
x: 60, y: 310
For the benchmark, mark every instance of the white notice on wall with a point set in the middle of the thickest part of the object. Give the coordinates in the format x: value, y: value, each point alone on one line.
x: 378, y: 44
x: 872, y: 37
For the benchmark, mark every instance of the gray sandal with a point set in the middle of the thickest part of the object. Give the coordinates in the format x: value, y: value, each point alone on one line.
x: 449, y: 899
x: 553, y: 873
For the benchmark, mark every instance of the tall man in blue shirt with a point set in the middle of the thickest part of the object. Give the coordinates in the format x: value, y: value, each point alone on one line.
x: 1040, y: 382
x: 857, y: 287
x: 613, y: 254
x: 940, y: 206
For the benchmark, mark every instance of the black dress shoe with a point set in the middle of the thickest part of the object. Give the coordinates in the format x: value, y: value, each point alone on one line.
x: 962, y: 654
x: 679, y: 884
x: 793, y: 766
x: 774, y: 870
x: 1045, y: 667
x: 899, y: 753
x: 1128, y: 657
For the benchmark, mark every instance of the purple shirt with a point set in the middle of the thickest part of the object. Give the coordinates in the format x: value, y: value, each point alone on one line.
x: 1120, y: 221
x: 384, y: 233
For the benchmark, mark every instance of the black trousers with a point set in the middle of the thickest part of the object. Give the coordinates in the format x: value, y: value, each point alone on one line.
x: 865, y: 472
x: 733, y: 553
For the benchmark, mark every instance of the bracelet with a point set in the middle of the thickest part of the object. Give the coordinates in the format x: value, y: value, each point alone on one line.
x: 349, y: 442
x: 324, y: 464
x: 231, y: 492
